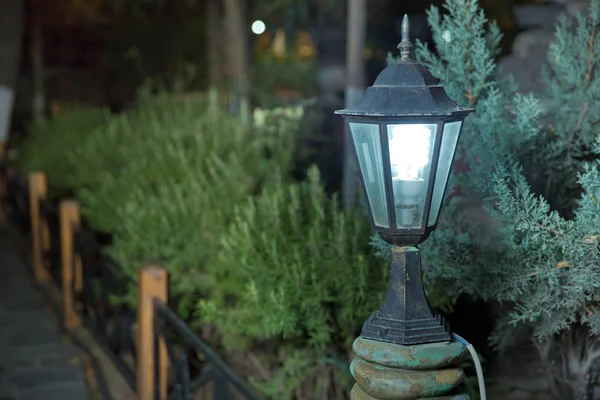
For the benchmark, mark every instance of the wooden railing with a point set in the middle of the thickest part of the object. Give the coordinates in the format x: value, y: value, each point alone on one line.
x: 141, y: 340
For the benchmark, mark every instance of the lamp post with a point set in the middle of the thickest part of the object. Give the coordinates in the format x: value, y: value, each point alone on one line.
x: 405, y: 131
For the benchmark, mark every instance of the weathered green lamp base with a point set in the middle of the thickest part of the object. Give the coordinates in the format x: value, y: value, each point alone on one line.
x: 387, y: 371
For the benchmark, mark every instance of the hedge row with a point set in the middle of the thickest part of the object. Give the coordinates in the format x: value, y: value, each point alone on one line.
x: 275, y: 265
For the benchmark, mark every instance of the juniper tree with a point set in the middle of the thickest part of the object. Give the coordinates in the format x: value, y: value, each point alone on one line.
x: 534, y: 171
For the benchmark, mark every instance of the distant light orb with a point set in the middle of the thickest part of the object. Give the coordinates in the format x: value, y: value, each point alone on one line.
x: 258, y: 27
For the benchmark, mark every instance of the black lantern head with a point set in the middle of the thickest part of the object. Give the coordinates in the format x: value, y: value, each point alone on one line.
x: 405, y: 130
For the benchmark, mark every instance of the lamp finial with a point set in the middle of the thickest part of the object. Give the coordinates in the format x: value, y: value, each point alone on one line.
x: 405, y: 45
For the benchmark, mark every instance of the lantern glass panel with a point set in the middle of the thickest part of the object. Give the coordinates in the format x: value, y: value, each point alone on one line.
x: 447, y: 149
x: 368, y: 148
x: 410, y: 151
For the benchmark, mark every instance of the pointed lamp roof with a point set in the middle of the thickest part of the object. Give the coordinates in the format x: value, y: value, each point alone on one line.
x: 405, y: 89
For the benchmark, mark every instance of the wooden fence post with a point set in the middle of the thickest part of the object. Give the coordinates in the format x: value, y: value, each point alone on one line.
x: 37, y: 193
x: 69, y: 223
x: 152, y: 286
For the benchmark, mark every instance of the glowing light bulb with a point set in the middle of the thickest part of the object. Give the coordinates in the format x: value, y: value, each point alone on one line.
x: 410, y: 147
x: 409, y: 150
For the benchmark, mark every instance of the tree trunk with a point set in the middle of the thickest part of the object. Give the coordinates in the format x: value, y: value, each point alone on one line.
x: 355, y: 87
x: 38, y: 106
x: 11, y: 25
x: 237, y: 32
x: 330, y: 42
x: 583, y: 388
x: 212, y: 42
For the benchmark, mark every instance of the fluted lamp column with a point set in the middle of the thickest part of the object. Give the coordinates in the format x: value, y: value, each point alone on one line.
x: 405, y: 130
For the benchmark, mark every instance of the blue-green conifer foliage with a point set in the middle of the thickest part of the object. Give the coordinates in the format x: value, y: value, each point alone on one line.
x: 521, y: 223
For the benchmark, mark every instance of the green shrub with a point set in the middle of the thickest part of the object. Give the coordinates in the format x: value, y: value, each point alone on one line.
x: 162, y: 144
x: 299, y: 271
x: 47, y: 146
x: 178, y: 219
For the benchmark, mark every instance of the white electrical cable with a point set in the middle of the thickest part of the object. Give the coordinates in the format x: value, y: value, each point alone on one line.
x: 477, y: 363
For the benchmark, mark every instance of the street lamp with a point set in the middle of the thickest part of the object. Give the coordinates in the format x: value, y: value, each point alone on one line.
x: 405, y: 131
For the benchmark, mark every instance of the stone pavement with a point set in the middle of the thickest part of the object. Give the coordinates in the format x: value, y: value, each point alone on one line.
x: 36, y: 361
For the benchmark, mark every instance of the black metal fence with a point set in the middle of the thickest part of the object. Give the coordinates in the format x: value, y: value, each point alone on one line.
x: 94, y: 285
x: 215, y: 369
